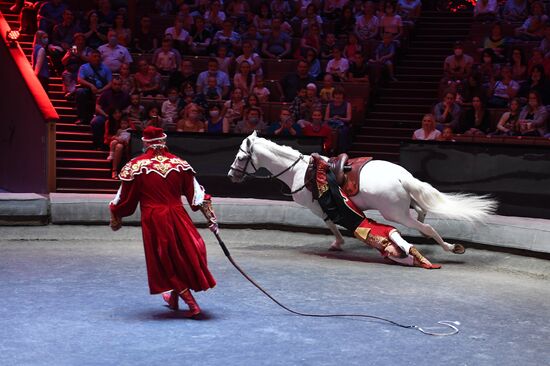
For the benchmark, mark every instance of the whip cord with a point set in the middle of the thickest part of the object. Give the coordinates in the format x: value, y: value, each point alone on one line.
x: 447, y: 323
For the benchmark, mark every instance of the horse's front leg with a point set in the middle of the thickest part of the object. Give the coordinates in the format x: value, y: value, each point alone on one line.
x: 339, y: 240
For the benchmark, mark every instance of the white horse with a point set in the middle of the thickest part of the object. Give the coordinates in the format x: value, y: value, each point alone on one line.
x: 384, y: 186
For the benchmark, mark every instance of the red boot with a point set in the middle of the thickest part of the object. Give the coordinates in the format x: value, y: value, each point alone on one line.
x: 190, y: 301
x: 421, y: 261
x: 171, y: 299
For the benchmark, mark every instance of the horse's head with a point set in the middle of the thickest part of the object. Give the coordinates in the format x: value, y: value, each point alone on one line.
x: 243, y: 165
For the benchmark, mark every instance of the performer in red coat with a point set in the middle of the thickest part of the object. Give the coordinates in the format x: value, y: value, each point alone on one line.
x: 175, y: 253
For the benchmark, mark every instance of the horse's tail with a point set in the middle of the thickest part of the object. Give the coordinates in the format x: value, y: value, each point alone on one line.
x: 449, y: 205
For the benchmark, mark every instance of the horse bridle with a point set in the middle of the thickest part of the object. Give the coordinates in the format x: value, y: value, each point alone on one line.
x: 270, y: 176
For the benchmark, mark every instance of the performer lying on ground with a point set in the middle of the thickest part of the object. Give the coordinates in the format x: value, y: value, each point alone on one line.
x: 175, y: 253
x: 342, y: 211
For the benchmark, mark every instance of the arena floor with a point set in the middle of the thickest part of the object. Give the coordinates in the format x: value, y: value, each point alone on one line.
x: 78, y: 295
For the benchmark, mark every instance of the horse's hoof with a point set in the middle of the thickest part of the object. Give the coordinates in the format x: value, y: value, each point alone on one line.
x: 335, y: 248
x: 459, y: 249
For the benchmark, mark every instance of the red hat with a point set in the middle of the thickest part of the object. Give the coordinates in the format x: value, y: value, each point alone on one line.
x: 152, y: 133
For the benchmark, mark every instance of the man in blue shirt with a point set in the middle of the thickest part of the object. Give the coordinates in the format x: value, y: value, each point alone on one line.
x: 94, y: 78
x: 286, y: 126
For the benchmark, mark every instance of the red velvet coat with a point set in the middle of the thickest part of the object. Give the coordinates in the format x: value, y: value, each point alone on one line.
x: 175, y: 253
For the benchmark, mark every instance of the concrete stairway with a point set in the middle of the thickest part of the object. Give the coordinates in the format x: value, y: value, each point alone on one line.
x: 399, y: 109
x: 80, y: 168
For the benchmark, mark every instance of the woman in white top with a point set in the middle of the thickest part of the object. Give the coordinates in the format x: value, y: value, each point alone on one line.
x: 428, y: 130
x: 244, y: 78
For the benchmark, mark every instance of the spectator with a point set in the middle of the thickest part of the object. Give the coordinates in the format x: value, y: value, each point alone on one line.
x: 251, y: 57
x: 446, y: 135
x: 537, y: 82
x: 285, y: 126
x: 192, y: 120
x: 545, y: 43
x: 262, y: 21
x: 153, y: 117
x: 95, y: 35
x: 106, y: 14
x: 276, y: 45
x: 213, y: 91
x: 311, y: 103
x: 40, y: 60
x: 518, y: 65
x: 166, y: 60
x: 111, y: 99
x: 537, y: 58
x: 496, y: 41
x: 428, y: 130
x: 213, y: 70
x: 128, y: 81
x: 515, y: 11
x: 167, y: 40
x: 112, y: 54
x: 508, y: 123
x: 280, y: 8
x: 170, y: 107
x: 532, y: 119
x: 260, y: 91
x: 227, y: 37
x: 328, y: 45
x: 253, y: 102
x: 75, y: 57
x: 346, y: 22
x: 214, y: 120
x: 148, y: 82
x: 233, y: 110
x: 135, y: 112
x: 117, y: 137
x: 533, y: 28
x: 477, y: 120
x: 292, y: 82
x: 390, y: 22
x: 457, y: 67
x: 252, y: 122
x: 447, y: 112
x: 332, y: 9
x: 94, y: 78
x: 383, y: 57
x: 180, y: 37
x: 225, y: 61
x: 502, y: 91
x: 313, y: 63
x: 251, y: 35
x: 244, y: 78
x: 368, y: 23
x: 296, y: 107
x: 63, y: 33
x: 201, y: 38
x: 184, y: 14
x: 237, y: 10
x: 338, y: 115
x: 123, y: 33
x: 409, y: 10
x: 50, y: 14
x: 164, y: 7
x: 337, y: 66
x: 144, y: 40
x: 186, y: 74
x: 327, y: 91
x: 311, y: 40
x: 359, y: 69
x: 214, y: 16
x: 319, y: 128
x: 352, y: 47
x: 488, y: 69
x: 485, y: 10
x: 311, y: 18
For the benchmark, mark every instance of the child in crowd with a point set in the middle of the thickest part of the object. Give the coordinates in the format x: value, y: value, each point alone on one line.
x: 122, y: 136
x: 224, y: 60
x: 153, y: 117
x: 166, y: 60
x: 170, y: 107
x: 327, y: 46
x: 260, y: 90
x: 214, y: 120
x: 338, y: 66
x: 328, y: 88
x: 384, y: 55
x: 135, y: 112
x: 212, y: 91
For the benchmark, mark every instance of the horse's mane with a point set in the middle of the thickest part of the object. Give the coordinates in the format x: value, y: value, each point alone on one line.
x: 283, y: 149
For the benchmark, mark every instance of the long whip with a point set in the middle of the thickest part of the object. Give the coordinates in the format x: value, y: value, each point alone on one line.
x: 447, y: 323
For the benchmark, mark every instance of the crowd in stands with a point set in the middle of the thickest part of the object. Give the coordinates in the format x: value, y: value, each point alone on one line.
x: 143, y: 76
x: 497, y: 83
